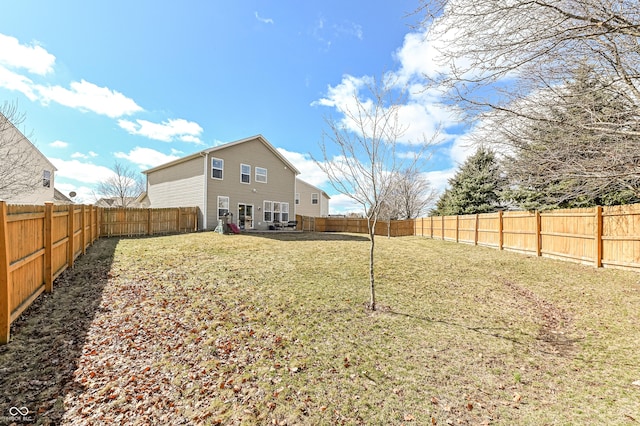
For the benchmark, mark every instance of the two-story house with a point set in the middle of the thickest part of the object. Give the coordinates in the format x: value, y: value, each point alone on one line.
x: 26, y: 175
x: 247, y: 181
x: 310, y: 200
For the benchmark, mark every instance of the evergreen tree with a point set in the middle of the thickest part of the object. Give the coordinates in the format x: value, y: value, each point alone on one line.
x: 475, y: 188
x: 565, y: 157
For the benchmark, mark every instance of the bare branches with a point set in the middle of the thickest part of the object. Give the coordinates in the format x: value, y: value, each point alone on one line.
x: 367, y: 163
x: 20, y: 172
x: 125, y: 185
x: 533, y: 44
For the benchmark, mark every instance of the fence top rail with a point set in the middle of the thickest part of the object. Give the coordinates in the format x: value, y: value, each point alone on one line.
x: 17, y: 217
x: 576, y: 214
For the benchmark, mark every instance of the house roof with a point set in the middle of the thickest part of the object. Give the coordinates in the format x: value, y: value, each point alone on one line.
x: 221, y: 147
x: 115, y: 201
x: 313, y: 186
x: 60, y: 197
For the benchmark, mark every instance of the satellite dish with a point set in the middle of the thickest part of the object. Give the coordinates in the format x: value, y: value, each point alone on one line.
x: 72, y: 194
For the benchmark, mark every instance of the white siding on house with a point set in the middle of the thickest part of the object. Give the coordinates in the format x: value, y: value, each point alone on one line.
x: 179, y: 186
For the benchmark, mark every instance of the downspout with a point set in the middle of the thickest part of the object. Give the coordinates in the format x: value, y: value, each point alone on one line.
x: 204, y: 191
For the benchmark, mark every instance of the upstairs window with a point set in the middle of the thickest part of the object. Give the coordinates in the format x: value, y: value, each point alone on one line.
x: 217, y: 167
x: 245, y: 173
x: 46, y: 178
x: 297, y: 198
x: 261, y: 175
x: 314, y: 198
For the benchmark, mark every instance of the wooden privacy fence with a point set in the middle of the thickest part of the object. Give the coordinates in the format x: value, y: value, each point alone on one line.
x: 600, y: 236
x: 137, y: 222
x: 395, y: 228
x: 37, y: 243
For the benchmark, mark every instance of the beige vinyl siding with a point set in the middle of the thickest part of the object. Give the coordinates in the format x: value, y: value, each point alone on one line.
x: 306, y: 208
x: 181, y: 185
x: 280, y: 185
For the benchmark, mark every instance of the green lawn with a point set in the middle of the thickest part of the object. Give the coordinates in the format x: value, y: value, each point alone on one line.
x: 272, y: 329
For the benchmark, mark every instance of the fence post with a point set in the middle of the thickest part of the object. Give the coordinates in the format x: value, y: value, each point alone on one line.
x: 99, y: 211
x: 500, y: 228
x: 83, y: 235
x: 538, y: 234
x: 149, y: 223
x: 598, y: 237
x: 178, y: 222
x: 475, y: 238
x: 5, y: 277
x: 457, y: 228
x: 70, y: 232
x: 431, y: 228
x: 48, y: 247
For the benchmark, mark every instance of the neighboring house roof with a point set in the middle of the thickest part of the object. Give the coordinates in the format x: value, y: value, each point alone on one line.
x: 313, y: 186
x: 60, y: 197
x: 221, y: 147
x: 116, y: 202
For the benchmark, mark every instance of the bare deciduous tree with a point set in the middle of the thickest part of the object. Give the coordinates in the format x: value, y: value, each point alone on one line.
x: 516, y: 65
x: 367, y: 163
x: 412, y: 194
x: 124, y: 186
x: 19, y: 172
x: 516, y: 46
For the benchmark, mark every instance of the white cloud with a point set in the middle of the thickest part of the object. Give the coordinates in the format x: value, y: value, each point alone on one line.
x: 88, y: 155
x: 420, y: 116
x: 309, y: 170
x: 146, y: 158
x: 12, y: 81
x: 79, y: 171
x: 33, y: 58
x: 439, y: 179
x: 462, y: 148
x: 58, y: 144
x: 88, y: 96
x: 263, y: 20
x: 342, y: 204
x: 167, y: 131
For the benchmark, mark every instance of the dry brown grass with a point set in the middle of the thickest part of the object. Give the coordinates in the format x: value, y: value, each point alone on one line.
x: 272, y: 329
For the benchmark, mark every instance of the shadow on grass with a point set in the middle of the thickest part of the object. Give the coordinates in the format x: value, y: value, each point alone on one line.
x: 558, y: 346
x: 306, y: 236
x: 37, y: 365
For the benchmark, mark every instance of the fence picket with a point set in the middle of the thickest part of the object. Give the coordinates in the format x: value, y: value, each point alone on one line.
x: 5, y: 277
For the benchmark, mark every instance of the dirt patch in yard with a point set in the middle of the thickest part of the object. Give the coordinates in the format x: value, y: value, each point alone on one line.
x: 556, y: 326
x: 37, y: 365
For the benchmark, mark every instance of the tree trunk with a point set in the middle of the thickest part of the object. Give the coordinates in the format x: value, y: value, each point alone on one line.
x: 372, y: 283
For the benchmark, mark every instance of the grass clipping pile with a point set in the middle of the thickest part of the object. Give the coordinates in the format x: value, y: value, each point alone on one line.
x: 271, y: 329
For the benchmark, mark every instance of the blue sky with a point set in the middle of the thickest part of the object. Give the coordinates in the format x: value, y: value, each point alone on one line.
x: 144, y: 82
